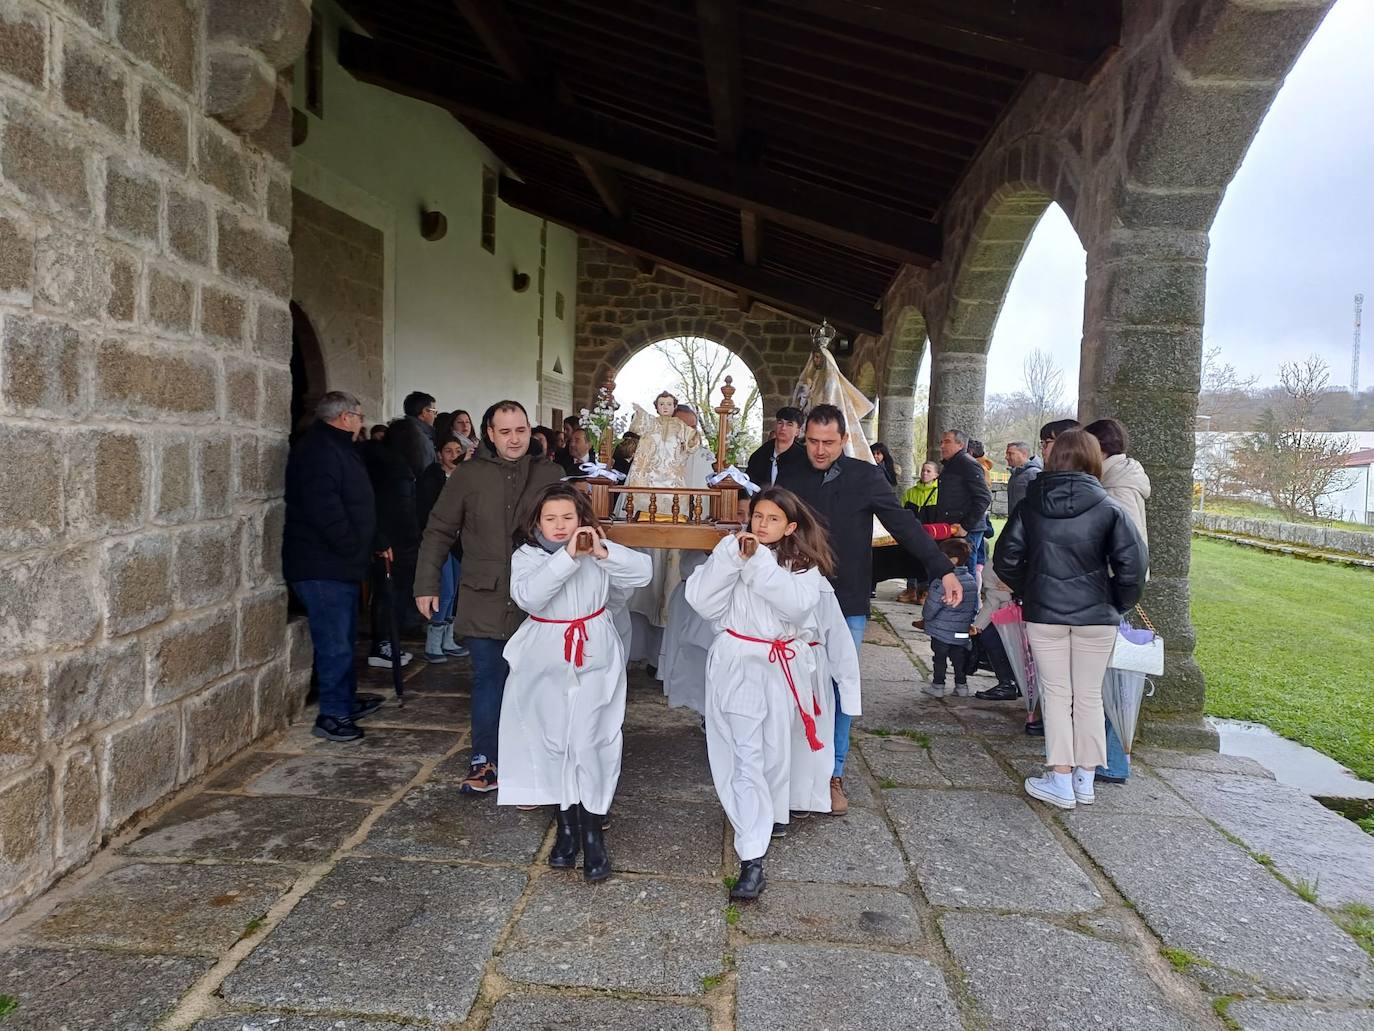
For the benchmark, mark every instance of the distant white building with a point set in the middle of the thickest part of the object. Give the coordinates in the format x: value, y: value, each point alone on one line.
x: 1355, y: 504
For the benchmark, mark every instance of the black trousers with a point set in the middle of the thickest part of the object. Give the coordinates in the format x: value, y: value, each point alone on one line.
x: 989, y: 642
x: 956, y: 654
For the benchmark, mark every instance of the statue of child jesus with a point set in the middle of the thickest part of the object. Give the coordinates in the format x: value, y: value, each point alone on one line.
x: 663, y: 457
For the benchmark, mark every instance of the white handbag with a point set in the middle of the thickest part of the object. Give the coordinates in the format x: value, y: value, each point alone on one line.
x: 1139, y: 658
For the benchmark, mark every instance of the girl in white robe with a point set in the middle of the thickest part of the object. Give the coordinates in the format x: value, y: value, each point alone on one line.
x: 836, y: 663
x: 564, y: 702
x: 759, y: 589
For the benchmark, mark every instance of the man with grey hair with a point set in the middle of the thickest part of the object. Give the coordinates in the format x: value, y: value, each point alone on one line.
x: 964, y: 496
x: 327, y: 544
x: 1024, y: 467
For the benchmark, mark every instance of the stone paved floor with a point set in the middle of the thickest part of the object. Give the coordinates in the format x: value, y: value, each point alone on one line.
x: 312, y: 886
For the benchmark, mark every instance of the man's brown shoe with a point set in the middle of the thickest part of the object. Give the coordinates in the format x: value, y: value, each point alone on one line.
x: 908, y: 596
x: 839, y: 804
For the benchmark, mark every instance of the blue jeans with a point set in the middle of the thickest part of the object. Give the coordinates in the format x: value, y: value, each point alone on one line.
x: 975, y: 541
x: 857, y: 625
x: 449, y: 573
x: 1118, y: 762
x: 489, y: 670
x: 332, y: 606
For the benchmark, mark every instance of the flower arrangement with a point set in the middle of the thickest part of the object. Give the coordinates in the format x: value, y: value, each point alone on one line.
x: 601, y: 422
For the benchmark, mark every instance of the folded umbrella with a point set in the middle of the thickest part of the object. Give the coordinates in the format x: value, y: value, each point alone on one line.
x: 1011, y: 628
x: 394, y: 631
x: 1122, y: 693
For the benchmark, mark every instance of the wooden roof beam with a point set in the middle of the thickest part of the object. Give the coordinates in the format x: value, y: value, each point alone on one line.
x: 820, y: 211
x: 1064, y: 38
x: 506, y: 44
x: 809, y: 301
x: 718, y: 21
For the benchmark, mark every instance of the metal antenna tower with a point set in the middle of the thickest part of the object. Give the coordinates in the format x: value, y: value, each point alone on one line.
x: 1355, y: 348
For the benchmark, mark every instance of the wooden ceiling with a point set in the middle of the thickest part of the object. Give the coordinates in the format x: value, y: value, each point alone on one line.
x: 796, y: 151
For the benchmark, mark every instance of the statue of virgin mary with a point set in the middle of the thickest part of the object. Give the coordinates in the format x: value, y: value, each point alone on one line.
x: 822, y: 383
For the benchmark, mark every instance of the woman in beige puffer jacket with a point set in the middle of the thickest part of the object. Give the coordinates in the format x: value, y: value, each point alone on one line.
x: 1122, y: 476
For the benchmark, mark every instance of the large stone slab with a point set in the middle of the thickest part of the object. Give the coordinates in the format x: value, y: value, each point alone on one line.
x: 1208, y: 762
x: 643, y: 935
x: 1203, y: 895
x: 900, y: 761
x: 838, y: 913
x: 169, y: 909
x: 383, y: 937
x: 879, y: 662
x: 854, y: 849
x: 326, y: 775
x: 899, y: 705
x: 665, y: 764
x: 521, y: 1012
x: 434, y: 821
x: 1254, y: 1015
x: 234, y: 777
x: 1143, y: 793
x: 442, y: 711
x: 393, y: 742
x: 89, y: 990
x: 994, y: 719
x: 966, y: 763
x: 685, y: 839
x: 984, y: 850
x: 229, y: 827
x: 786, y: 987
x: 261, y: 1021
x: 1027, y: 973
x: 1307, y: 841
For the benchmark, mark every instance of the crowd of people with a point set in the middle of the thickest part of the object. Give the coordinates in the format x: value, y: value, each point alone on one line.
x: 476, y: 539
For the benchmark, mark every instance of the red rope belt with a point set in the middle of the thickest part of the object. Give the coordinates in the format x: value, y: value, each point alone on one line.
x: 575, y: 637
x: 782, y: 653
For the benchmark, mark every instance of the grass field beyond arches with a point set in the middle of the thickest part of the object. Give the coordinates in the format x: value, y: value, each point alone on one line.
x: 1287, y: 643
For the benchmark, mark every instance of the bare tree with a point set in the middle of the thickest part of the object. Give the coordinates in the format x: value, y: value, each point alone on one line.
x: 1044, y: 381
x: 1019, y: 416
x: 1285, y: 460
x: 699, y: 367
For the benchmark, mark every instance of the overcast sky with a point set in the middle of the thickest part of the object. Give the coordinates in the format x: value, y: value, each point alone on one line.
x: 1292, y: 243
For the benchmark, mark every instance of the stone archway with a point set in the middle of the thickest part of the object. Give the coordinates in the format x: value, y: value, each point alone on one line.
x: 308, y: 378
x: 897, y: 394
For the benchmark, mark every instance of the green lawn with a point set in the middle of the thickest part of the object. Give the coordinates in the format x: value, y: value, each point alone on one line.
x: 1287, y: 643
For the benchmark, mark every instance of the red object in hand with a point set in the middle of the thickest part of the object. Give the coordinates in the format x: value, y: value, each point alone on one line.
x: 939, y: 531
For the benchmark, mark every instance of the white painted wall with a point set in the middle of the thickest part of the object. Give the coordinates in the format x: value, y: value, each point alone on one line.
x: 455, y: 328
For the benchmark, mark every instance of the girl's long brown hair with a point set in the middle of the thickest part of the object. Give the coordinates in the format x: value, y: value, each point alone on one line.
x: 805, y: 547
x: 559, y: 491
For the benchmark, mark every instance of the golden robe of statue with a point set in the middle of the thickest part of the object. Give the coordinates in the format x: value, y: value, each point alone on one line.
x: 663, y: 456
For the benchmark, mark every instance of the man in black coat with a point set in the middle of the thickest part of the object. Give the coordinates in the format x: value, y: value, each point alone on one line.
x: 846, y: 493
x: 327, y: 545
x: 964, y: 496
x: 398, y: 532
x: 413, y: 436
x: 767, y: 461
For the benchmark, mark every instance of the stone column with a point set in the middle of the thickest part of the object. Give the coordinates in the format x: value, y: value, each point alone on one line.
x: 1141, y: 364
x: 957, y: 383
x: 896, y: 422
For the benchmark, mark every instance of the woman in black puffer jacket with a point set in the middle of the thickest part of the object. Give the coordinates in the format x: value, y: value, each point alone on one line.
x: 1077, y: 563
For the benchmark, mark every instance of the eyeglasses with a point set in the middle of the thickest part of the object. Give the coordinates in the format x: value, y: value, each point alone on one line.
x: 431, y: 408
x: 357, y: 415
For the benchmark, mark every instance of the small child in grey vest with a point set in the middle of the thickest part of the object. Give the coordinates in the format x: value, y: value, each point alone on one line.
x: 948, y: 625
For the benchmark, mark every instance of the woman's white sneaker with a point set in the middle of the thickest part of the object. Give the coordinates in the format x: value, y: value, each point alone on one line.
x: 1083, y: 791
x: 1053, y: 788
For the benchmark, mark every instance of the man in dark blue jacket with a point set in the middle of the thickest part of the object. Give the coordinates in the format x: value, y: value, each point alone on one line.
x: 327, y: 542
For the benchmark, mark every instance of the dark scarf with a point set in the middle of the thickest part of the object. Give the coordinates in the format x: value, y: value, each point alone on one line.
x: 548, y: 545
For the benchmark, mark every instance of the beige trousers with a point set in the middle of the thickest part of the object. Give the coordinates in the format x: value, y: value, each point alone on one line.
x: 1070, y: 663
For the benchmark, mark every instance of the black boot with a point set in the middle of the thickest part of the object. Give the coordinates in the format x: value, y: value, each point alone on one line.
x: 596, y: 864
x: 566, y: 843
x: 751, y: 880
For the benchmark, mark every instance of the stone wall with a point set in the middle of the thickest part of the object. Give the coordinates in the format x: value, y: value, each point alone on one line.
x: 144, y: 348
x: 621, y: 309
x: 338, y: 285
x: 1323, y: 538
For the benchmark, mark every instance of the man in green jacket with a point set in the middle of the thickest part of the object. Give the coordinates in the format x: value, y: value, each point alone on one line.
x: 484, y: 500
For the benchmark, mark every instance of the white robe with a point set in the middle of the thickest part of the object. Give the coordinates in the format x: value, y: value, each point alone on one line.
x: 837, y: 662
x: 560, y: 738
x: 749, y: 706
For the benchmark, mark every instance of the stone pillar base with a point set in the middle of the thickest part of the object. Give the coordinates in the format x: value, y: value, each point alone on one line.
x: 1185, y: 731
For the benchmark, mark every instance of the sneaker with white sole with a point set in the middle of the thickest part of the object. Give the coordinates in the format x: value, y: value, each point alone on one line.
x: 934, y: 690
x: 381, y: 656
x: 1083, y: 791
x: 1056, y: 789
